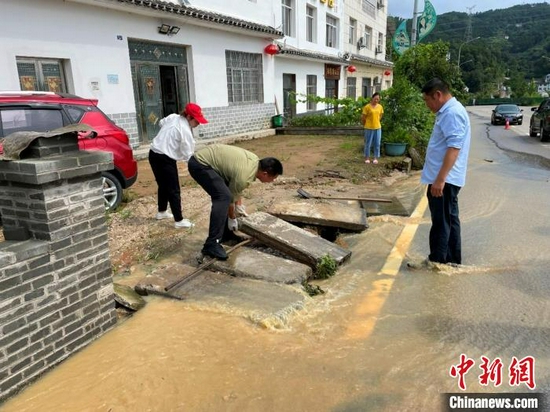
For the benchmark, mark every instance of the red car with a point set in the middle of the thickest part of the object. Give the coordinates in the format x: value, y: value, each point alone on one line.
x: 43, y: 111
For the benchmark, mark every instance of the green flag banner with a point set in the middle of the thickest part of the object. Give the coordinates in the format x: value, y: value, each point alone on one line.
x: 401, y: 40
x: 427, y: 20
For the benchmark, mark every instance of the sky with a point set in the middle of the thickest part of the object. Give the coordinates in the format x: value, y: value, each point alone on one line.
x: 404, y: 8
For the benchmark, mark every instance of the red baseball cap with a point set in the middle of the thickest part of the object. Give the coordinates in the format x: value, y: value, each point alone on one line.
x: 195, y: 111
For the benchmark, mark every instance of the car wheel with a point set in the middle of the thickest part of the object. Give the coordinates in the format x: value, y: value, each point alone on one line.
x: 112, y: 191
x: 493, y: 122
x: 520, y: 122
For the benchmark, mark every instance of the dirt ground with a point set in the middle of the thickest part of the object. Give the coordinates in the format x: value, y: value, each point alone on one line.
x: 324, y: 165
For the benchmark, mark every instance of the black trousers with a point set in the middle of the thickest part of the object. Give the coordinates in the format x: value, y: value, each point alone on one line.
x: 445, y: 242
x: 165, y: 170
x: 219, y: 192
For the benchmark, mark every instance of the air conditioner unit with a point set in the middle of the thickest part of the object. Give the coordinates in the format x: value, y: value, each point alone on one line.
x: 346, y: 56
x: 361, y: 43
x: 380, y: 4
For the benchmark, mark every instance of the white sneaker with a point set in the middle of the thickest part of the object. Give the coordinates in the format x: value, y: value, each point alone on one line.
x: 164, y: 215
x: 184, y: 223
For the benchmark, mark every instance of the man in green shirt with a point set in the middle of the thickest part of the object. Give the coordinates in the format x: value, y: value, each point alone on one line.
x: 224, y: 172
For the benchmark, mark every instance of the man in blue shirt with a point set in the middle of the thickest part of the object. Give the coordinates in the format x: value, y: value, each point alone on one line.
x: 445, y: 170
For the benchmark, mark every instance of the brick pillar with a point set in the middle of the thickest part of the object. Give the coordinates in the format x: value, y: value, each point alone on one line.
x: 56, y: 292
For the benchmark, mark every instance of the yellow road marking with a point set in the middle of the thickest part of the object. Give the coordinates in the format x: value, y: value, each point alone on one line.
x: 370, y: 307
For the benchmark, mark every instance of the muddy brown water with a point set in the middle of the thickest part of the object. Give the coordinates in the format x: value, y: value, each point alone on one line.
x: 334, y: 354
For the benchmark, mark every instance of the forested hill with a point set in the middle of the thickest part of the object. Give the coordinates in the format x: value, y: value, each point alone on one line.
x: 513, y: 42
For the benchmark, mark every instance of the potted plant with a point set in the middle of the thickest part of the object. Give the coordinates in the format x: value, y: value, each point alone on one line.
x: 396, y: 141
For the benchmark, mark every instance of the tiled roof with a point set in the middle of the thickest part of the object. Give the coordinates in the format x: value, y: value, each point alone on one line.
x: 204, y: 15
x: 332, y: 58
x: 363, y: 59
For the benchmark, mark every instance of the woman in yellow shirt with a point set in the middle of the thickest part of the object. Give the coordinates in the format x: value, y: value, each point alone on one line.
x: 370, y: 118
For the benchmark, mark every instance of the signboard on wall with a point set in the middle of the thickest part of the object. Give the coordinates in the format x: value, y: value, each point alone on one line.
x: 332, y: 72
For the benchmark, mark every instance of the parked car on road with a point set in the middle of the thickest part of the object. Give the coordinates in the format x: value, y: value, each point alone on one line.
x: 540, y: 121
x: 512, y: 112
x: 44, y: 111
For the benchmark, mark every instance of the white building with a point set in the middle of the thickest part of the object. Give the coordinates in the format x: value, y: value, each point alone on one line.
x: 144, y: 59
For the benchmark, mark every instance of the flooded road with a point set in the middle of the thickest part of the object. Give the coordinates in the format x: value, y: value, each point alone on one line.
x: 382, y: 338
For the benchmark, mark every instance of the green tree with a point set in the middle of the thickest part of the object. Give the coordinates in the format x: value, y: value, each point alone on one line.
x: 423, y: 62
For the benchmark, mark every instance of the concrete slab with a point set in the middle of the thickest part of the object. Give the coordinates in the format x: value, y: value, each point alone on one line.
x: 161, y: 277
x: 321, y: 213
x: 254, y: 264
x: 265, y: 299
x: 268, y: 304
x: 395, y: 208
x: 300, y: 244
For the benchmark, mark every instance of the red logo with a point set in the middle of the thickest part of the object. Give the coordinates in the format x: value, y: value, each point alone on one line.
x: 520, y: 371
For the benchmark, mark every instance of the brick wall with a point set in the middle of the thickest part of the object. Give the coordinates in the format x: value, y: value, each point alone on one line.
x: 222, y: 121
x: 56, y: 292
x: 128, y: 121
x: 234, y: 120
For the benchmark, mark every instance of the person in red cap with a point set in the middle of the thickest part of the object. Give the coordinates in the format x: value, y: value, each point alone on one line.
x: 173, y: 142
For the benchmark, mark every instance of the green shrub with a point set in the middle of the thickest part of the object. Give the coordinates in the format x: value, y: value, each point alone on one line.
x: 326, y: 267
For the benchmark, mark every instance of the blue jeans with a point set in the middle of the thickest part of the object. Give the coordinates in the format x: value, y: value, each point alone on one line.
x: 373, y: 136
x: 445, y: 243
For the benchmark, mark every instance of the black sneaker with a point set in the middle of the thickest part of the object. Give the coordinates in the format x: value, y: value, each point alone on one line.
x: 214, y: 250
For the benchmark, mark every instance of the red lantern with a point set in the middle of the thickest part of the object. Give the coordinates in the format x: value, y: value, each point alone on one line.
x: 351, y: 69
x: 271, y: 49
x: 387, y: 73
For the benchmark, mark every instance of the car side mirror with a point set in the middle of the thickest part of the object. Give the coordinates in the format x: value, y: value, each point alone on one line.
x: 533, y: 109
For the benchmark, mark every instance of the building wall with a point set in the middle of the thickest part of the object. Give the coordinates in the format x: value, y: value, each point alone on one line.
x: 258, y: 11
x: 99, y: 50
x: 323, y: 8
x: 354, y: 10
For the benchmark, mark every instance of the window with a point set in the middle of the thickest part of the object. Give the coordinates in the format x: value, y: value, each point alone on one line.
x: 380, y: 45
x: 352, y: 87
x: 369, y: 7
x: 311, y: 33
x: 287, y: 17
x: 38, y: 120
x: 76, y: 113
x: 352, y: 31
x: 45, y: 75
x: 244, y: 77
x: 311, y: 91
x: 366, y: 89
x: 332, y: 32
x: 368, y: 37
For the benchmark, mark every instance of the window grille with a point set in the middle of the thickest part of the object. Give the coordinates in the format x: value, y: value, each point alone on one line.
x: 369, y: 7
x: 244, y: 77
x: 352, y: 87
x: 45, y: 75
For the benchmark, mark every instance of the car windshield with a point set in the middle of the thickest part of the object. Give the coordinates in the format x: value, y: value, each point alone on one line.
x: 508, y: 108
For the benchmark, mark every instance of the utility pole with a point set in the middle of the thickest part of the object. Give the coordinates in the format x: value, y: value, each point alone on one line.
x: 414, y: 24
